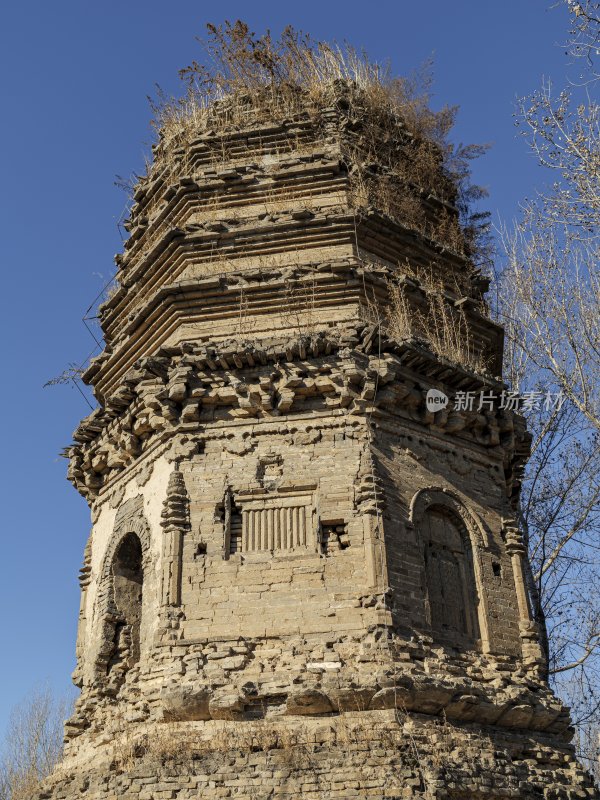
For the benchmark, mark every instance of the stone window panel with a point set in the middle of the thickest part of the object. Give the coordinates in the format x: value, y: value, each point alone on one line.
x: 272, y: 524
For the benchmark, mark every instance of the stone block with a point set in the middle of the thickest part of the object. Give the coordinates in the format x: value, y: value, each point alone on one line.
x: 185, y: 704
x: 308, y: 702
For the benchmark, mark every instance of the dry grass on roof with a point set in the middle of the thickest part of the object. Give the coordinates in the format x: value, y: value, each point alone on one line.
x: 395, y: 145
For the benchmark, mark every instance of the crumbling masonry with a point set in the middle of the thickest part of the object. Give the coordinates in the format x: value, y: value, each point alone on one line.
x: 300, y: 581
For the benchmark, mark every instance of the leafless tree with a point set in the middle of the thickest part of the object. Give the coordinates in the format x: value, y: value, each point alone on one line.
x: 584, y: 39
x: 549, y: 302
x: 32, y: 745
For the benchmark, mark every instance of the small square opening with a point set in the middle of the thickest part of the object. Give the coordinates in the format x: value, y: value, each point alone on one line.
x: 334, y: 536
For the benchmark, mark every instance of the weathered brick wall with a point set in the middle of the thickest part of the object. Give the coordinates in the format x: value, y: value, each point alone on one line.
x: 335, y: 624
x: 410, y: 462
x: 272, y: 589
x: 379, y: 755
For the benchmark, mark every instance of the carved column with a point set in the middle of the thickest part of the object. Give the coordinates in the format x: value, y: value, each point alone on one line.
x: 529, y: 631
x: 85, y: 576
x: 175, y: 522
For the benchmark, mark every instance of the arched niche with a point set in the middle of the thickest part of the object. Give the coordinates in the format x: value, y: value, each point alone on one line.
x: 127, y: 588
x: 451, y: 539
x: 123, y: 580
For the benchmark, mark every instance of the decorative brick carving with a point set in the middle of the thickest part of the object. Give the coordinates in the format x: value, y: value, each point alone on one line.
x: 175, y: 523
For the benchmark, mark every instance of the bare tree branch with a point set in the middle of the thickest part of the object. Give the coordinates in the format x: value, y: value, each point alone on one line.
x: 33, y: 744
x: 549, y: 302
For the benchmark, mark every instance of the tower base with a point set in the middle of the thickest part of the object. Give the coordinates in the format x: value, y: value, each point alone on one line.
x: 365, y: 754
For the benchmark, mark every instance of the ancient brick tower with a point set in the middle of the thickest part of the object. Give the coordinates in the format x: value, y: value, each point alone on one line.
x: 300, y: 581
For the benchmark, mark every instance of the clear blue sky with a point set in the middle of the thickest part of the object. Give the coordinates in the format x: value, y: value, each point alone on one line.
x: 75, y: 76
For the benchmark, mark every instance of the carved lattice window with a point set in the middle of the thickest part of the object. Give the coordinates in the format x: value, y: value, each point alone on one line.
x: 450, y: 579
x: 271, y: 524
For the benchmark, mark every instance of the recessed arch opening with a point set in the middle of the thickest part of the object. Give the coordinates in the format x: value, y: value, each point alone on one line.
x: 452, y: 600
x: 127, y: 588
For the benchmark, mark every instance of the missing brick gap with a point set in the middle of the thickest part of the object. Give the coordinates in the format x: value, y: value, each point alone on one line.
x: 334, y: 536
